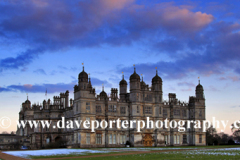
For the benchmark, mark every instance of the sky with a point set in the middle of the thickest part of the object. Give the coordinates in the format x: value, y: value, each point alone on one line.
x: 44, y: 43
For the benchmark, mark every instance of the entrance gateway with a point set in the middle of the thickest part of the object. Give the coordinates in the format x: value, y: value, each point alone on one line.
x: 148, y: 140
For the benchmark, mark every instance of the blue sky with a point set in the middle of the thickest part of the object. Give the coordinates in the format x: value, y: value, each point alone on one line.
x: 44, y: 43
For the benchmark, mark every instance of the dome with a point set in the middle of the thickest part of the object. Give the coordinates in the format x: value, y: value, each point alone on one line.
x: 199, y: 87
x: 103, y: 94
x: 123, y: 82
x: 134, y: 75
x: 156, y: 78
x: 83, y: 75
x: 27, y: 101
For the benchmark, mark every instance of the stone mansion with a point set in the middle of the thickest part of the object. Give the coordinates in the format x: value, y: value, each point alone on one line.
x: 142, y: 101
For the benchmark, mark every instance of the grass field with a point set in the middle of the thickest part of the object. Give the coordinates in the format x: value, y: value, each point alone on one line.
x: 209, y: 154
x: 183, y: 152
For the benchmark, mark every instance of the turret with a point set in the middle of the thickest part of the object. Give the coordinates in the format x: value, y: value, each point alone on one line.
x: 82, y: 80
x: 134, y: 81
x: 103, y: 94
x: 199, y: 91
x: 157, y: 83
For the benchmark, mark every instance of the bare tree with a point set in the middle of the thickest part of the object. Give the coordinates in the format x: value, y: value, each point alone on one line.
x: 5, y: 132
x: 236, y: 131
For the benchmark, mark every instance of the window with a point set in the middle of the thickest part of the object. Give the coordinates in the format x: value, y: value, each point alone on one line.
x: 165, y: 112
x: 178, y: 138
x: 88, y: 106
x: 122, y: 139
x: 112, y: 108
x: 98, y: 109
x: 176, y: 112
x: 200, y: 138
x: 137, y: 109
x: 148, y: 110
x: 123, y: 110
x: 88, y: 138
x: 200, y: 113
x: 184, y: 112
x: 88, y: 119
x: 110, y: 139
x: 72, y: 138
x: 175, y: 139
x: 184, y: 139
x: 1, y: 140
x: 99, y: 121
x: 79, y: 137
x: 114, y: 139
x: 99, y: 139
x: 166, y: 139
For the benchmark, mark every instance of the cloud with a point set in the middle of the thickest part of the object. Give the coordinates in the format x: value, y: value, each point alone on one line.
x: 186, y: 84
x: 194, y: 41
x: 40, y: 71
x: 20, y: 60
x: 234, y: 106
x: 233, y: 78
x: 55, y: 25
x: 189, y: 89
x: 51, y: 88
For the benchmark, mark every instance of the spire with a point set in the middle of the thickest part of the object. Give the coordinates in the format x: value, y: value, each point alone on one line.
x: 122, y: 75
x: 83, y: 66
x: 142, y: 77
x: 198, y: 80
x: 102, y: 87
x: 156, y: 71
x: 134, y: 68
x: 89, y: 79
x: 27, y: 96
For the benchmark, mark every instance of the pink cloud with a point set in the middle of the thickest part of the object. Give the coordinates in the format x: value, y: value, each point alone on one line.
x: 27, y: 85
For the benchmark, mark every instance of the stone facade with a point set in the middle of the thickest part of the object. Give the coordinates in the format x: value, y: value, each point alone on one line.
x: 142, y: 101
x: 10, y: 141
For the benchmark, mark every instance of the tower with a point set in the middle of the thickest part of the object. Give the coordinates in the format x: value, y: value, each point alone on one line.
x: 199, y: 91
x: 134, y: 86
x: 82, y: 80
x: 123, y: 88
x: 157, y: 87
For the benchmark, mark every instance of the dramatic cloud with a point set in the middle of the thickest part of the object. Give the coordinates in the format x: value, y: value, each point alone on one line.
x: 40, y: 71
x: 53, y: 25
x: 51, y: 88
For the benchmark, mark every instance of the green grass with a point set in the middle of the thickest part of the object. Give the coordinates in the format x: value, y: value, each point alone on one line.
x: 176, y: 155
x: 166, y: 155
x: 70, y: 155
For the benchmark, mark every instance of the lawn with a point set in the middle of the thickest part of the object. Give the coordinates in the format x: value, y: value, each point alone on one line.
x: 199, y: 152
x: 220, y: 154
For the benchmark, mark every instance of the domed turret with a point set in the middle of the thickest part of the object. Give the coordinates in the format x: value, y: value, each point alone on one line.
x: 103, y: 94
x: 156, y: 79
x: 82, y: 80
x: 156, y: 82
x: 83, y: 75
x: 199, y: 86
x: 199, y: 91
x: 134, y: 81
x: 123, y: 87
x: 123, y: 82
x: 134, y: 76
